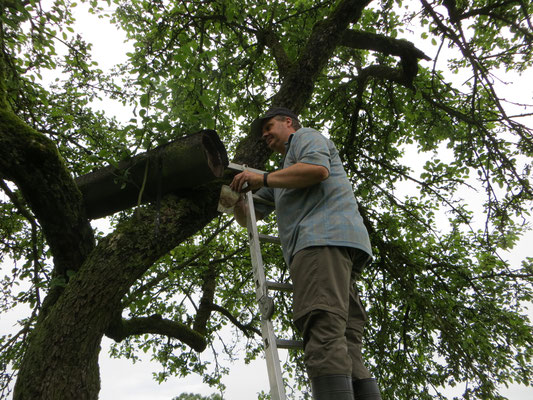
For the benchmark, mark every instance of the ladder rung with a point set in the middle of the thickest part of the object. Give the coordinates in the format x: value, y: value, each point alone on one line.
x: 287, y: 287
x: 260, y: 200
x: 289, y: 344
x: 238, y: 167
x: 269, y: 239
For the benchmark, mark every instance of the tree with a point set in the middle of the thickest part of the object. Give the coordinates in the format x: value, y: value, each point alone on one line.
x: 445, y: 307
x: 192, y: 396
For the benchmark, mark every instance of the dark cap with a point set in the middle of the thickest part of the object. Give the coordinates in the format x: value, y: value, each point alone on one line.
x: 257, y: 125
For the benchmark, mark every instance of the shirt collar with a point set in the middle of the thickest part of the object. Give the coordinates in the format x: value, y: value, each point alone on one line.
x: 288, y: 143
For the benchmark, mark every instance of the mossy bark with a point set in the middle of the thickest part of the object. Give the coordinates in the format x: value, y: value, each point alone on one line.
x: 32, y: 162
x: 61, y: 361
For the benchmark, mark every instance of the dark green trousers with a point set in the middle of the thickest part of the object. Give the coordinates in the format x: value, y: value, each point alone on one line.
x: 328, y: 311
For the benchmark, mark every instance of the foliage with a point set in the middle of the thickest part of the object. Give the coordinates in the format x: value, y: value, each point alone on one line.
x: 441, y: 169
x: 192, y: 396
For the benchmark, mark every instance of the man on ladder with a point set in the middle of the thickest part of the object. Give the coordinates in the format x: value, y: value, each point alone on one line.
x: 326, y: 246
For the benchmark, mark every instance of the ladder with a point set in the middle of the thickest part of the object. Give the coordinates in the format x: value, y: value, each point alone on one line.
x: 271, y: 343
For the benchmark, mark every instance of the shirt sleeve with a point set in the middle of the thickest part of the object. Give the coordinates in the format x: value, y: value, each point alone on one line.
x: 312, y: 148
x: 266, y: 194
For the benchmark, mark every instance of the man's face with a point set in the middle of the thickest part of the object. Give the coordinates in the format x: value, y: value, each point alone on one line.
x: 276, y: 133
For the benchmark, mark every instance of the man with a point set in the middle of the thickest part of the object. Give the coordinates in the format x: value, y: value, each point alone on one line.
x: 326, y: 246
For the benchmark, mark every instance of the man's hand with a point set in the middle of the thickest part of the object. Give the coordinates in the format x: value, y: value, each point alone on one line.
x: 253, y: 181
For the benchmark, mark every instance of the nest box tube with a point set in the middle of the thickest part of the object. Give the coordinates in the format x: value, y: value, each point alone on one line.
x: 182, y: 164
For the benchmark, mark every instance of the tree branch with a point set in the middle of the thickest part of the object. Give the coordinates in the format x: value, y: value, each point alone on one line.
x: 204, y: 309
x: 297, y: 88
x: 408, y: 53
x: 381, y: 43
x: 385, y: 72
x: 271, y: 40
x: 157, y: 325
x: 298, y: 82
x: 244, y: 328
x: 32, y: 162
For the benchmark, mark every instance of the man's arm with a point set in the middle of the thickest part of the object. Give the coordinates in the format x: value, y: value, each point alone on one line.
x: 296, y: 176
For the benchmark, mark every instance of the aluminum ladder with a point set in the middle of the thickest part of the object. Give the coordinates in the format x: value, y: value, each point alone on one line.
x: 271, y: 343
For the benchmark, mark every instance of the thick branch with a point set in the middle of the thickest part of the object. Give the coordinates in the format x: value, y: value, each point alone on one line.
x: 271, y: 40
x: 381, y: 43
x: 33, y: 163
x: 184, y: 163
x: 157, y: 325
x: 297, y: 88
x: 299, y: 81
x: 204, y: 309
x: 384, y: 72
x: 408, y: 53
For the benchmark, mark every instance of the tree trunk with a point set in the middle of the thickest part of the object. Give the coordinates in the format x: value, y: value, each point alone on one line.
x: 61, y: 361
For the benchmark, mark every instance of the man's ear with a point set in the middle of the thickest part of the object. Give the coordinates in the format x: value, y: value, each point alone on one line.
x: 289, y: 122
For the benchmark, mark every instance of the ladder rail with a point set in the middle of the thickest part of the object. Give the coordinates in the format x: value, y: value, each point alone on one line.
x: 277, y: 388
x: 270, y: 342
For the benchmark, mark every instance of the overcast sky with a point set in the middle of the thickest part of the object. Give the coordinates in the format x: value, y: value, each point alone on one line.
x: 123, y: 380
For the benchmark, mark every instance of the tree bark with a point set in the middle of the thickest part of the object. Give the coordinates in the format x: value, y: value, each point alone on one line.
x: 61, y: 361
x: 32, y: 162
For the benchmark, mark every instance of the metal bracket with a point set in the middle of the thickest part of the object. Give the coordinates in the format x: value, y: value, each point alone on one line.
x: 266, y: 306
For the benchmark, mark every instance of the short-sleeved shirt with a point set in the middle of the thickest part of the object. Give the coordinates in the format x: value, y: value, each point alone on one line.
x: 323, y: 214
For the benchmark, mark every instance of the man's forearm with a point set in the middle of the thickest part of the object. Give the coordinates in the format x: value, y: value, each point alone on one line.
x: 297, y: 176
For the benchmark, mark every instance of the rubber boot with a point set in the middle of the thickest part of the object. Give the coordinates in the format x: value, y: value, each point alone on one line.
x: 332, y: 387
x: 366, y: 389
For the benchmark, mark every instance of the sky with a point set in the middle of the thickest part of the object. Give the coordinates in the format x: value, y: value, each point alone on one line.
x: 123, y: 380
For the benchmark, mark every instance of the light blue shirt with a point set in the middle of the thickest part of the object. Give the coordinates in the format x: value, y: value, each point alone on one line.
x: 324, y: 214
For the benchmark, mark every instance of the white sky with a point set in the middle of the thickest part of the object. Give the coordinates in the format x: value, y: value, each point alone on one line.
x: 123, y: 380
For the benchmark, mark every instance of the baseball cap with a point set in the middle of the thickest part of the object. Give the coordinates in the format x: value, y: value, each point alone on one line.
x: 257, y: 124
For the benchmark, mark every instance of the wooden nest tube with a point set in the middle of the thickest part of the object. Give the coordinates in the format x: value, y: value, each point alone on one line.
x: 185, y: 163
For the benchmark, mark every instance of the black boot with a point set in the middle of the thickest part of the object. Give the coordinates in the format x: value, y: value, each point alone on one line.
x: 366, y: 389
x: 332, y: 387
